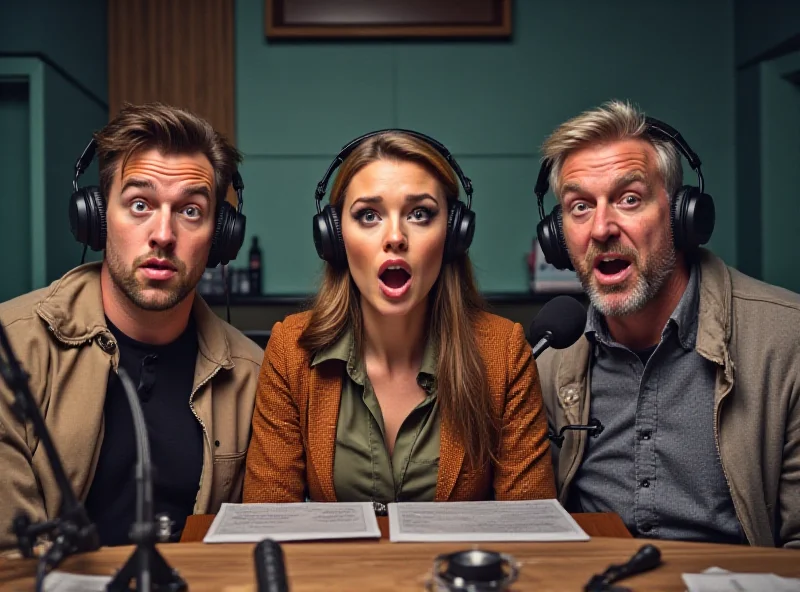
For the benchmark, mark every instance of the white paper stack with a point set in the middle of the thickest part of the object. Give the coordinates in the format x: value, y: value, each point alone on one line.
x: 719, y: 580
x: 60, y: 581
x: 534, y: 520
x: 302, y: 521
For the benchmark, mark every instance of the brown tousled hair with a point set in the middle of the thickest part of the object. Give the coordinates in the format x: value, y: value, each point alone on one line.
x: 171, y: 131
x: 453, y: 305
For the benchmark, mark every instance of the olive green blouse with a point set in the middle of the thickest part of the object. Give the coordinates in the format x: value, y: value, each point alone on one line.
x: 363, y: 470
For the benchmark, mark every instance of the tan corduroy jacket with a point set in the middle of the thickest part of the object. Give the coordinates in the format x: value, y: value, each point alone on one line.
x: 294, y: 425
x: 59, y: 335
x: 751, y: 332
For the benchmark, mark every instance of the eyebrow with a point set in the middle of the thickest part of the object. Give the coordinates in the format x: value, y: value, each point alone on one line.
x: 138, y: 184
x: 412, y: 198
x: 619, y: 183
x: 186, y: 192
x: 196, y: 190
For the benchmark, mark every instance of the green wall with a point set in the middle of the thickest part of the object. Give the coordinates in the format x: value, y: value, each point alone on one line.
x: 71, y: 33
x: 60, y: 50
x: 491, y: 102
x: 767, y: 127
x: 762, y: 25
x: 14, y: 169
x: 70, y: 119
x: 780, y: 171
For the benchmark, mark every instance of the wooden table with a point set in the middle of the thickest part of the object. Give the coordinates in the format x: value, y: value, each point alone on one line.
x: 605, y: 525
x: 400, y: 567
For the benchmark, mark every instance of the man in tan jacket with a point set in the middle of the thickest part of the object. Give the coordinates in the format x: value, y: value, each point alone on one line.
x: 161, y: 217
x: 692, y: 368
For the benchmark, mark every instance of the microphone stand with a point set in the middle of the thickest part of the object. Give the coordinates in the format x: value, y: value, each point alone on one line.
x: 71, y: 531
x: 146, y: 565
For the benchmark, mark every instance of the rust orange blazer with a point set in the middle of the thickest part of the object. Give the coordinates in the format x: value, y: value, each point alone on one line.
x: 294, y: 424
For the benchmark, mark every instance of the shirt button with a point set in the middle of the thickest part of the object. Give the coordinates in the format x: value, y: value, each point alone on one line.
x: 644, y: 435
x: 645, y: 483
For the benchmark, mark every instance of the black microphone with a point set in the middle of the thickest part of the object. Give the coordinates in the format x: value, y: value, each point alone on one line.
x: 270, y: 569
x: 559, y: 324
x: 646, y: 558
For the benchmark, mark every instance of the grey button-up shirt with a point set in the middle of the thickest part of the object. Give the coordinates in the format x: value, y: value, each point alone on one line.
x: 656, y: 464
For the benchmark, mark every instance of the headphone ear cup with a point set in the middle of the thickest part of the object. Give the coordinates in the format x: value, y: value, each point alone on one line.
x: 87, y: 217
x: 692, y: 217
x: 328, y: 238
x: 550, y: 233
x: 228, y: 236
x: 460, y: 231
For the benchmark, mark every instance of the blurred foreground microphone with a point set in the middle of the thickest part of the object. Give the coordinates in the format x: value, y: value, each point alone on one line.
x: 270, y: 569
x: 559, y: 324
x: 473, y: 571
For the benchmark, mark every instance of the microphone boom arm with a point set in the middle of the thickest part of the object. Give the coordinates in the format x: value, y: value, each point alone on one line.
x: 71, y: 530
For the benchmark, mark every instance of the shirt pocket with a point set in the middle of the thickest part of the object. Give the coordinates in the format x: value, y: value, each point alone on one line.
x: 228, y: 479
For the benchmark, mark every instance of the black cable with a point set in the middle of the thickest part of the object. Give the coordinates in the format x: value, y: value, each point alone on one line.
x: 227, y: 297
x: 41, y: 572
x: 83, y: 257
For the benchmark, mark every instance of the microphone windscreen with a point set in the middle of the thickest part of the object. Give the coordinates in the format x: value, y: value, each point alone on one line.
x: 270, y: 569
x: 565, y: 319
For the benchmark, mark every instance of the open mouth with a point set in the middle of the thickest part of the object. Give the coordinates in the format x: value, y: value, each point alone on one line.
x: 395, y: 278
x: 612, y: 268
x: 608, y: 266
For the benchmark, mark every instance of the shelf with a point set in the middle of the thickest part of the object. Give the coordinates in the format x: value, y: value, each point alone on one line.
x: 297, y: 300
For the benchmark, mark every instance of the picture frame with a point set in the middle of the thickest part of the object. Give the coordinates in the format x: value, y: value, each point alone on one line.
x: 349, y: 19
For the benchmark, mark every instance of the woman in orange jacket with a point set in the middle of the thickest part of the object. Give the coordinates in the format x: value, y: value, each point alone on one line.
x: 397, y: 385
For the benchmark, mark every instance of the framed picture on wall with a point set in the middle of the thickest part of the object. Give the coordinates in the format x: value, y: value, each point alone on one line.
x: 387, y: 18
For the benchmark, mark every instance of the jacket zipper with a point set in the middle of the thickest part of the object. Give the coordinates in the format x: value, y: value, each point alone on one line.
x: 722, y: 464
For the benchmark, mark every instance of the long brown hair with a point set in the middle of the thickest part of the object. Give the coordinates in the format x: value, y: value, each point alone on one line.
x: 454, y: 304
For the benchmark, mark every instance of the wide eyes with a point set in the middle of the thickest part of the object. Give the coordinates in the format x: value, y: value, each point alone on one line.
x: 369, y: 217
x: 139, y: 206
x: 193, y: 212
x: 627, y: 202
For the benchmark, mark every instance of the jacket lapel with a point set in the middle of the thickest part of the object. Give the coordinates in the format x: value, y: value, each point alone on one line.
x: 451, y: 458
x: 325, y: 393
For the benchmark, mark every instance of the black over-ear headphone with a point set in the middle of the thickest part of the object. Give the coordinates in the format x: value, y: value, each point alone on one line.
x: 328, y: 229
x: 692, y: 212
x: 87, y: 216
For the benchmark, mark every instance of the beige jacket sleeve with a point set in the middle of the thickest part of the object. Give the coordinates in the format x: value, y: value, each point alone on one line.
x: 789, y: 488
x: 19, y: 490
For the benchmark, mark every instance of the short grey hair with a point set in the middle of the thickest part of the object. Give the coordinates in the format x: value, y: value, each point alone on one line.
x: 612, y: 121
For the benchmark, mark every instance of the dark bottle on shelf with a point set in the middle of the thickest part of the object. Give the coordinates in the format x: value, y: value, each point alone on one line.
x: 255, y: 267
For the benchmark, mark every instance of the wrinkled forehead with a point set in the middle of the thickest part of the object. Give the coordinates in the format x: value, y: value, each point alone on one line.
x: 168, y: 169
x: 608, y: 163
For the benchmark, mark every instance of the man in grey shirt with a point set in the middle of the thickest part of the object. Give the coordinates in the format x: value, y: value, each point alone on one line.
x: 686, y: 363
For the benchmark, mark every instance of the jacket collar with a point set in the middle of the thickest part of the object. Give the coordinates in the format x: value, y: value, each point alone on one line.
x: 714, y: 316
x: 73, y: 309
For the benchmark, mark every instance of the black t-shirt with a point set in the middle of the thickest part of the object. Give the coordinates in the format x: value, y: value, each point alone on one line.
x: 644, y: 354
x: 164, y: 375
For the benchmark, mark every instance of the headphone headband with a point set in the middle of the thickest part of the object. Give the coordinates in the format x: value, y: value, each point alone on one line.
x: 348, y: 148
x: 656, y: 128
